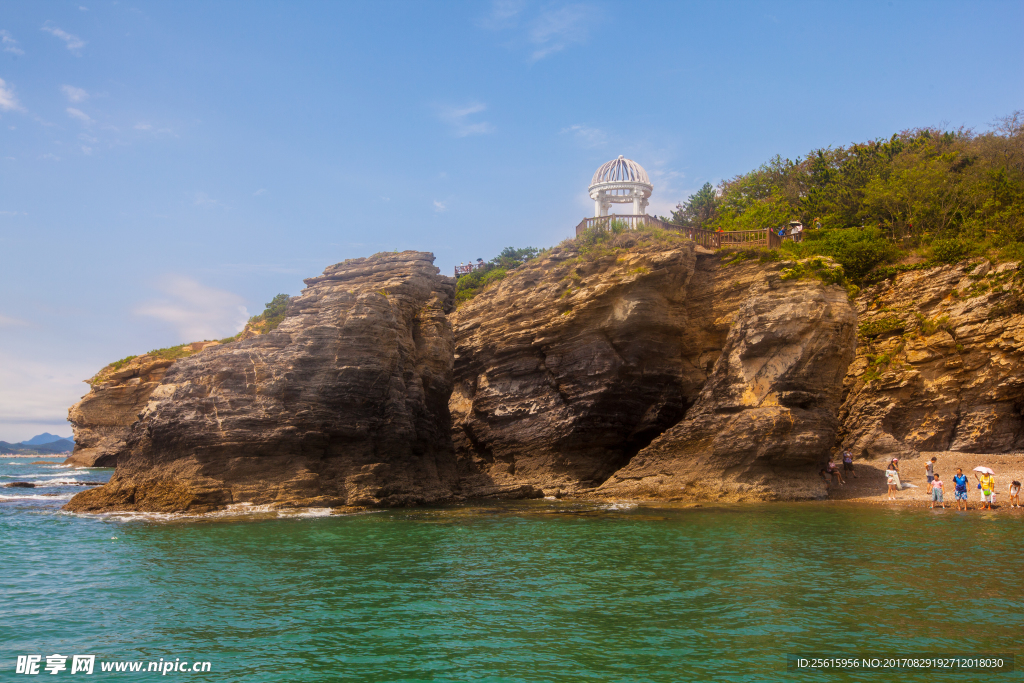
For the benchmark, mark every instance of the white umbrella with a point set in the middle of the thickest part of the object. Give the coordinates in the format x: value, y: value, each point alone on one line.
x: 984, y: 470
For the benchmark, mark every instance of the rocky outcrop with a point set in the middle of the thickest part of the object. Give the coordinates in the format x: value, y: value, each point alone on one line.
x: 767, y: 414
x: 103, y: 418
x: 940, y: 363
x: 577, y: 361
x: 345, y: 403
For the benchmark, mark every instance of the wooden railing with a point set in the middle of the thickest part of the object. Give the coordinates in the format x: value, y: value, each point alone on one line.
x: 705, y: 238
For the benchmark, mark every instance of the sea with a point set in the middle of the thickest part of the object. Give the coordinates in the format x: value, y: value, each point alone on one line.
x: 530, y: 591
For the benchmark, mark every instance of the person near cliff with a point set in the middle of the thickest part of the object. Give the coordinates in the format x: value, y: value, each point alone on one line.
x: 937, y: 491
x: 988, y: 486
x: 929, y: 470
x: 848, y: 462
x: 960, y: 488
x: 1015, y: 494
x: 892, y: 478
x: 834, y: 471
x: 895, y: 464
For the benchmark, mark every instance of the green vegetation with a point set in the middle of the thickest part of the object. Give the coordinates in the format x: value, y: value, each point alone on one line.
x: 272, y: 315
x: 493, y: 271
x: 880, y: 326
x: 857, y: 250
x: 118, y: 364
x: 941, y: 196
x: 172, y: 352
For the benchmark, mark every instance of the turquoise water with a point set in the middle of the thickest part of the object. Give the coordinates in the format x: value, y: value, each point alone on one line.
x: 532, y: 591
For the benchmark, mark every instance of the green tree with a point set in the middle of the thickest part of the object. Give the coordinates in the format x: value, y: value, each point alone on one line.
x: 699, y: 209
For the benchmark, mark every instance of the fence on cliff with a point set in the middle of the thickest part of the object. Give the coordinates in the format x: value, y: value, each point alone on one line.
x: 708, y: 239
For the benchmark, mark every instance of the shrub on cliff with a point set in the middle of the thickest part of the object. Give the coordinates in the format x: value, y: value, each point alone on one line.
x: 858, y: 250
x: 272, y: 315
x: 472, y: 283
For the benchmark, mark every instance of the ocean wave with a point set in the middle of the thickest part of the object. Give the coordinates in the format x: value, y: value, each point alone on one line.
x: 37, y: 496
x: 309, y: 512
x: 619, y: 506
x: 232, y: 510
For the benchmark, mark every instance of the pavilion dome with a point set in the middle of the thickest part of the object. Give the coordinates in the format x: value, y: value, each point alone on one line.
x: 621, y: 170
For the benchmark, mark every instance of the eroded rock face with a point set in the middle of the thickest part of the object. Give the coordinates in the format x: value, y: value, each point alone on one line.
x: 103, y: 418
x: 940, y: 363
x: 572, y: 365
x: 767, y: 414
x: 345, y: 403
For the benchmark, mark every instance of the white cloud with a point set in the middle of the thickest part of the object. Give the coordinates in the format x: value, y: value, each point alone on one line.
x: 10, y: 44
x: 74, y: 94
x: 458, y: 119
x: 86, y: 150
x: 194, y: 310
x: 203, y: 199
x: 8, y: 102
x: 503, y: 14
x: 74, y: 43
x: 143, y: 126
x: 49, y: 155
x: 260, y: 191
x: 440, y: 206
x: 35, y: 396
x: 4, y: 320
x: 80, y: 115
x: 556, y: 29
x: 587, y: 136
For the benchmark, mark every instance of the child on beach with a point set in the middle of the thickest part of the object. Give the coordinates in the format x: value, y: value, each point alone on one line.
x: 937, y: 490
x: 1015, y: 494
x: 960, y: 488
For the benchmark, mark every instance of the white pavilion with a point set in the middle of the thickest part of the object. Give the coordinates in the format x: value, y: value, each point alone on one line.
x: 620, y: 181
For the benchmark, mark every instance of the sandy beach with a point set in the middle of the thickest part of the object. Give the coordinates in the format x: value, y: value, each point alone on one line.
x: 869, y: 486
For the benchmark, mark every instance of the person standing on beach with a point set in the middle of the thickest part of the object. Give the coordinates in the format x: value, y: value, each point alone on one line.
x: 937, y: 490
x: 848, y: 462
x: 988, y: 487
x: 895, y: 464
x: 1015, y: 494
x: 892, y: 477
x: 960, y: 488
x: 929, y: 470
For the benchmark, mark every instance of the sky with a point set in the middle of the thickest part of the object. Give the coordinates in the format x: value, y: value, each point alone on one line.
x: 166, y: 168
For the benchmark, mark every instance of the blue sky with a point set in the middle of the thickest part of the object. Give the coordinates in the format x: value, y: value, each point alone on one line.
x: 167, y: 168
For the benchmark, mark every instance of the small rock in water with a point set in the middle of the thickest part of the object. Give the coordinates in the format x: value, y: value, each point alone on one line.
x: 20, y: 485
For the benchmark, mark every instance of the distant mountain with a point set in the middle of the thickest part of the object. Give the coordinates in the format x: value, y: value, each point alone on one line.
x: 58, y: 446
x: 45, y: 438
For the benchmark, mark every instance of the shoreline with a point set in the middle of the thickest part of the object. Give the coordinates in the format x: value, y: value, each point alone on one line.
x: 868, y: 488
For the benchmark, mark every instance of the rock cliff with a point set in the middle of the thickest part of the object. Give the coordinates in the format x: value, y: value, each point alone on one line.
x: 577, y: 361
x: 940, y: 363
x: 103, y: 418
x: 345, y: 403
x: 766, y: 417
